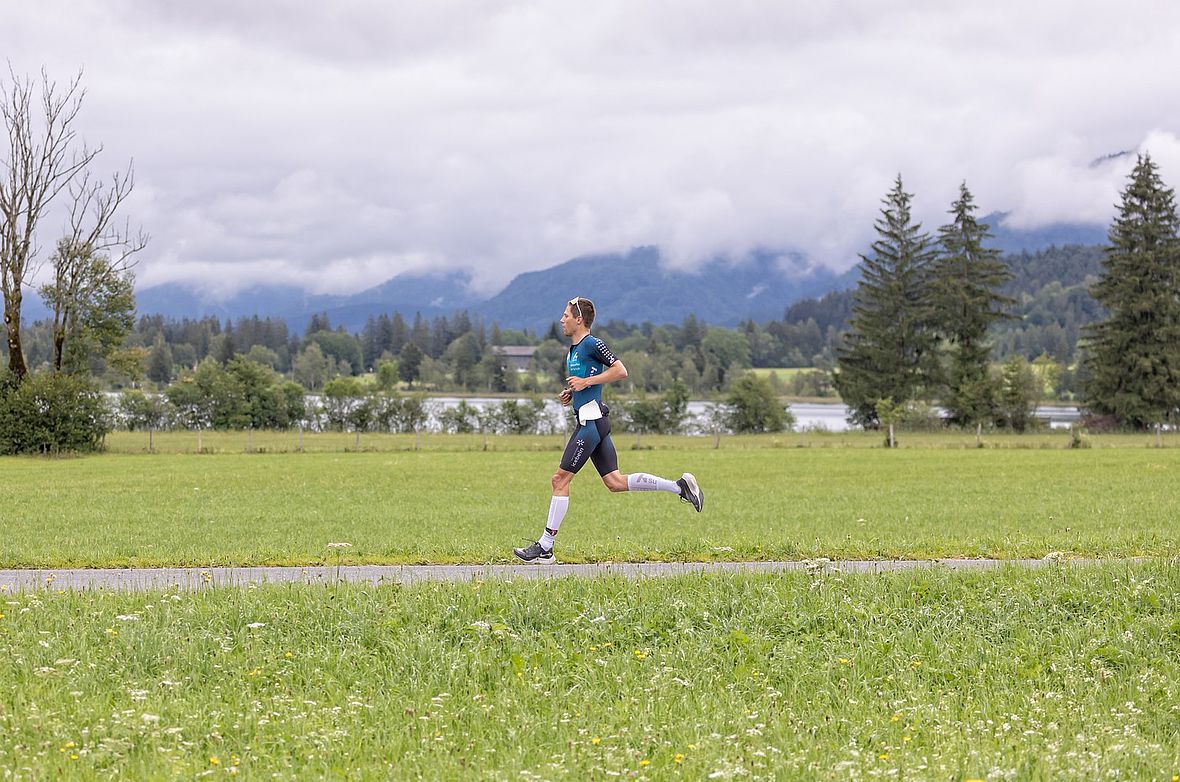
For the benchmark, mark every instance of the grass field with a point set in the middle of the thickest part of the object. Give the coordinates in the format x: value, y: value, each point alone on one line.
x: 1058, y: 673
x: 766, y: 498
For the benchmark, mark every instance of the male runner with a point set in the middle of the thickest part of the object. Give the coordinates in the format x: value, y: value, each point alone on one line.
x: 590, y: 364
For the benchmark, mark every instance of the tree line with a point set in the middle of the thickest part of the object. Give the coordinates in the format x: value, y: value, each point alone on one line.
x: 928, y: 310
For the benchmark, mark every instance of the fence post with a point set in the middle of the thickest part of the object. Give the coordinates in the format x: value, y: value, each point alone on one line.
x: 299, y: 448
x: 151, y: 439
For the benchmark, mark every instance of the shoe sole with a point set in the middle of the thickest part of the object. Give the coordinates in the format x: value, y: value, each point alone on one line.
x: 695, y: 489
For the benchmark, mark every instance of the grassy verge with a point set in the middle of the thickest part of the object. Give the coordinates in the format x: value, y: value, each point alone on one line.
x: 459, y: 506
x: 1050, y: 674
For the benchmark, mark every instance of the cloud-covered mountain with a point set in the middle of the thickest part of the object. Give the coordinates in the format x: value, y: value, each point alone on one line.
x: 634, y: 286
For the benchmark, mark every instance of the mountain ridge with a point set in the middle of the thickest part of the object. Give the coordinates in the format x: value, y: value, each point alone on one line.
x: 635, y: 286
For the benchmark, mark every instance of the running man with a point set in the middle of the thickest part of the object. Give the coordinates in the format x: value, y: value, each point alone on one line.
x: 590, y: 365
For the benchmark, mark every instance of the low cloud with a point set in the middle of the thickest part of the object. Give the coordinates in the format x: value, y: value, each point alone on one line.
x: 335, y: 146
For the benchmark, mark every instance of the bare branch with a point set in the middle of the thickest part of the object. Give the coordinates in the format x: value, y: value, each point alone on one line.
x: 46, y: 157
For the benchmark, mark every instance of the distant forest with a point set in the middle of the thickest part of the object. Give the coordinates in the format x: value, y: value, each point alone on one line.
x: 1051, y: 288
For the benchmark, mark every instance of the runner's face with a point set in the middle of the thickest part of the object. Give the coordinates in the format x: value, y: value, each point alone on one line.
x: 569, y: 322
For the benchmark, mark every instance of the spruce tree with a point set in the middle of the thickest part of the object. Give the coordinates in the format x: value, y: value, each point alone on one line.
x: 890, y: 345
x: 965, y: 295
x: 1133, y: 356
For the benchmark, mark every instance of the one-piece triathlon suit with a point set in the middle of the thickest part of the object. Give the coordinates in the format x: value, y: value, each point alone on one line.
x: 592, y: 437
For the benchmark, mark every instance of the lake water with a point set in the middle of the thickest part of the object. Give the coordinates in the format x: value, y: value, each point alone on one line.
x: 830, y: 417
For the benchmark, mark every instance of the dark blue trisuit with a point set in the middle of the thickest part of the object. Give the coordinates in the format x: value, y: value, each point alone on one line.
x: 592, y: 438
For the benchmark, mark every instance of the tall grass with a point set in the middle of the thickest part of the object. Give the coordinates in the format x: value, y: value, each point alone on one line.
x: 1049, y: 674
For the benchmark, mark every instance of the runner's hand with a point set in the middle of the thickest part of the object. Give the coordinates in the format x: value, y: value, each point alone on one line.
x: 578, y: 383
x: 566, y: 396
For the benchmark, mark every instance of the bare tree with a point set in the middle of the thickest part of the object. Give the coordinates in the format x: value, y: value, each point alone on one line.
x: 91, y: 292
x: 45, y: 158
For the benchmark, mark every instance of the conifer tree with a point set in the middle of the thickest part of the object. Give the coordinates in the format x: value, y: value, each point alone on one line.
x: 965, y: 294
x: 890, y: 345
x: 1133, y: 356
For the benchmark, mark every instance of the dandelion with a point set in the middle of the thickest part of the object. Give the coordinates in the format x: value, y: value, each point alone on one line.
x: 679, y: 758
x: 845, y: 661
x: 895, y: 718
x: 884, y: 756
x: 214, y: 760
x: 640, y: 655
x: 288, y: 655
x: 596, y: 741
x: 644, y: 763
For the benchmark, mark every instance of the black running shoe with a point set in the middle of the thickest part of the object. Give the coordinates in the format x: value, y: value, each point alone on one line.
x: 534, y: 553
x: 690, y: 492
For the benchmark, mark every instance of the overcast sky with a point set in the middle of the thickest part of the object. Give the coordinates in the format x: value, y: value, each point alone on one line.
x: 333, y: 145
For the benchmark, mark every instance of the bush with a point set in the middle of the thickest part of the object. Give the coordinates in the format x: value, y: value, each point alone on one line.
x: 461, y: 419
x: 755, y: 408
x: 140, y: 411
x: 50, y: 413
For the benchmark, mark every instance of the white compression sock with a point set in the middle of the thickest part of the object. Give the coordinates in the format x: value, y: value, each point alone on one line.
x: 557, y: 508
x: 641, y: 481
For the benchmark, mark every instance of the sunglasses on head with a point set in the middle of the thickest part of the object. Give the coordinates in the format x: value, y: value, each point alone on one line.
x: 574, y: 303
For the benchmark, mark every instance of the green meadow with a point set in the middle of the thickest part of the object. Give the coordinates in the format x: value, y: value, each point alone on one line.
x: 792, y: 496
x: 1065, y: 672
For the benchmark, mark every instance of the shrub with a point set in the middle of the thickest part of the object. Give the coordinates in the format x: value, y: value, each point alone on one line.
x: 141, y: 411
x: 756, y: 408
x: 50, y: 413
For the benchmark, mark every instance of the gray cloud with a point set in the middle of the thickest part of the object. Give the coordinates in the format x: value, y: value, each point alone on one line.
x: 335, y: 145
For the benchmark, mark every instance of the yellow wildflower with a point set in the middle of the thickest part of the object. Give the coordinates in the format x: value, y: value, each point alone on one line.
x: 214, y: 760
x: 884, y: 756
x: 644, y: 763
x: 679, y: 758
x: 596, y: 741
x: 906, y: 739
